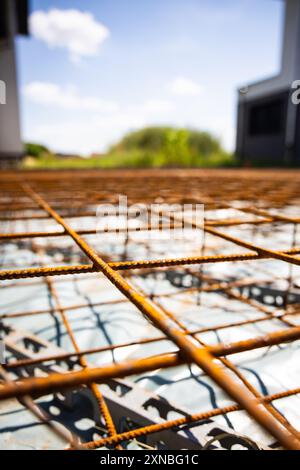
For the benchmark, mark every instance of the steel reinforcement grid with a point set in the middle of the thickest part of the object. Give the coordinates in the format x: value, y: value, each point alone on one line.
x: 226, y: 310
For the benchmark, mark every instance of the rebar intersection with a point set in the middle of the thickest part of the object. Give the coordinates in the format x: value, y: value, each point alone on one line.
x: 32, y: 198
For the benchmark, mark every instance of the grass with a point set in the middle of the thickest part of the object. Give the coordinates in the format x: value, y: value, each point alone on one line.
x: 150, y: 147
x: 132, y: 159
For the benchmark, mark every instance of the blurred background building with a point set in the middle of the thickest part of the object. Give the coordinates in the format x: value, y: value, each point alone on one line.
x: 268, y: 128
x: 13, y: 21
x: 268, y: 123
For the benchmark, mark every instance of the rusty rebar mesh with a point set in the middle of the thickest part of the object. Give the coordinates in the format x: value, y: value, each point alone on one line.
x: 214, y: 321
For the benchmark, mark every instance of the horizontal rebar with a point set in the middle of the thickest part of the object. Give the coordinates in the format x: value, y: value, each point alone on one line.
x: 76, y: 195
x: 139, y: 264
x: 102, y: 374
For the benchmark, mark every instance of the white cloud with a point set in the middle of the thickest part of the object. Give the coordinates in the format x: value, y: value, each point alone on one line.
x: 107, y: 121
x: 50, y: 94
x: 76, y: 31
x: 84, y: 136
x: 104, y: 122
x: 158, y: 106
x: 184, y: 87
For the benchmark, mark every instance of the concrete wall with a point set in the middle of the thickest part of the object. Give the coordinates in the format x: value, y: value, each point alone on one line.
x: 10, y: 136
x: 267, y: 148
x: 280, y: 148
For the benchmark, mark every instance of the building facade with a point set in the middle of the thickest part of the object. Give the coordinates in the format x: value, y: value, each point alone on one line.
x: 268, y: 124
x: 13, y: 21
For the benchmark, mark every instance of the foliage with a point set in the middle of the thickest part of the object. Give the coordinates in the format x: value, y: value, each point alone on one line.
x: 147, y: 148
x: 167, y: 146
x: 35, y: 150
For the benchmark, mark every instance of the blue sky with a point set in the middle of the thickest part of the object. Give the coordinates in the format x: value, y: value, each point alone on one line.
x: 85, y: 80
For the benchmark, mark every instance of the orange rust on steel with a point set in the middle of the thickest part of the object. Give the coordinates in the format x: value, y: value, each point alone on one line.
x: 128, y: 265
x: 44, y: 418
x: 232, y: 367
x: 68, y: 308
x: 57, y: 381
x: 54, y: 382
x: 42, y: 216
x: 253, y: 303
x: 218, y: 286
x: 213, y: 223
x: 227, y: 289
x: 286, y: 192
x: 173, y: 424
x: 200, y: 356
x: 250, y: 246
x: 268, y: 340
x: 263, y: 213
x: 21, y: 235
x: 104, y: 410
x: 280, y: 255
x: 20, y: 363
x: 213, y: 287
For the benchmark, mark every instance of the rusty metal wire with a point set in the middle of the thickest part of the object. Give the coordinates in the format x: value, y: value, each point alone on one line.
x: 252, y: 201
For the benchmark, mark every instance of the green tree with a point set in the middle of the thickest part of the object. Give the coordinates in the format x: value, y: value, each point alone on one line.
x: 35, y: 150
x: 169, y: 146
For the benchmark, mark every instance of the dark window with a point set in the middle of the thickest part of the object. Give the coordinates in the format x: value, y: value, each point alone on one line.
x: 266, y: 118
x: 22, y: 16
x: 21, y: 10
x: 3, y: 21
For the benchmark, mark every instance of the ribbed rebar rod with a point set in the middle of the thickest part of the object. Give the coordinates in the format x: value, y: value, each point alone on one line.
x: 200, y: 356
x: 179, y: 422
x: 139, y: 264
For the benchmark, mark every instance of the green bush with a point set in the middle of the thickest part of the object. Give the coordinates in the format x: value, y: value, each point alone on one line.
x: 35, y: 150
x: 146, y: 148
x: 168, y: 147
